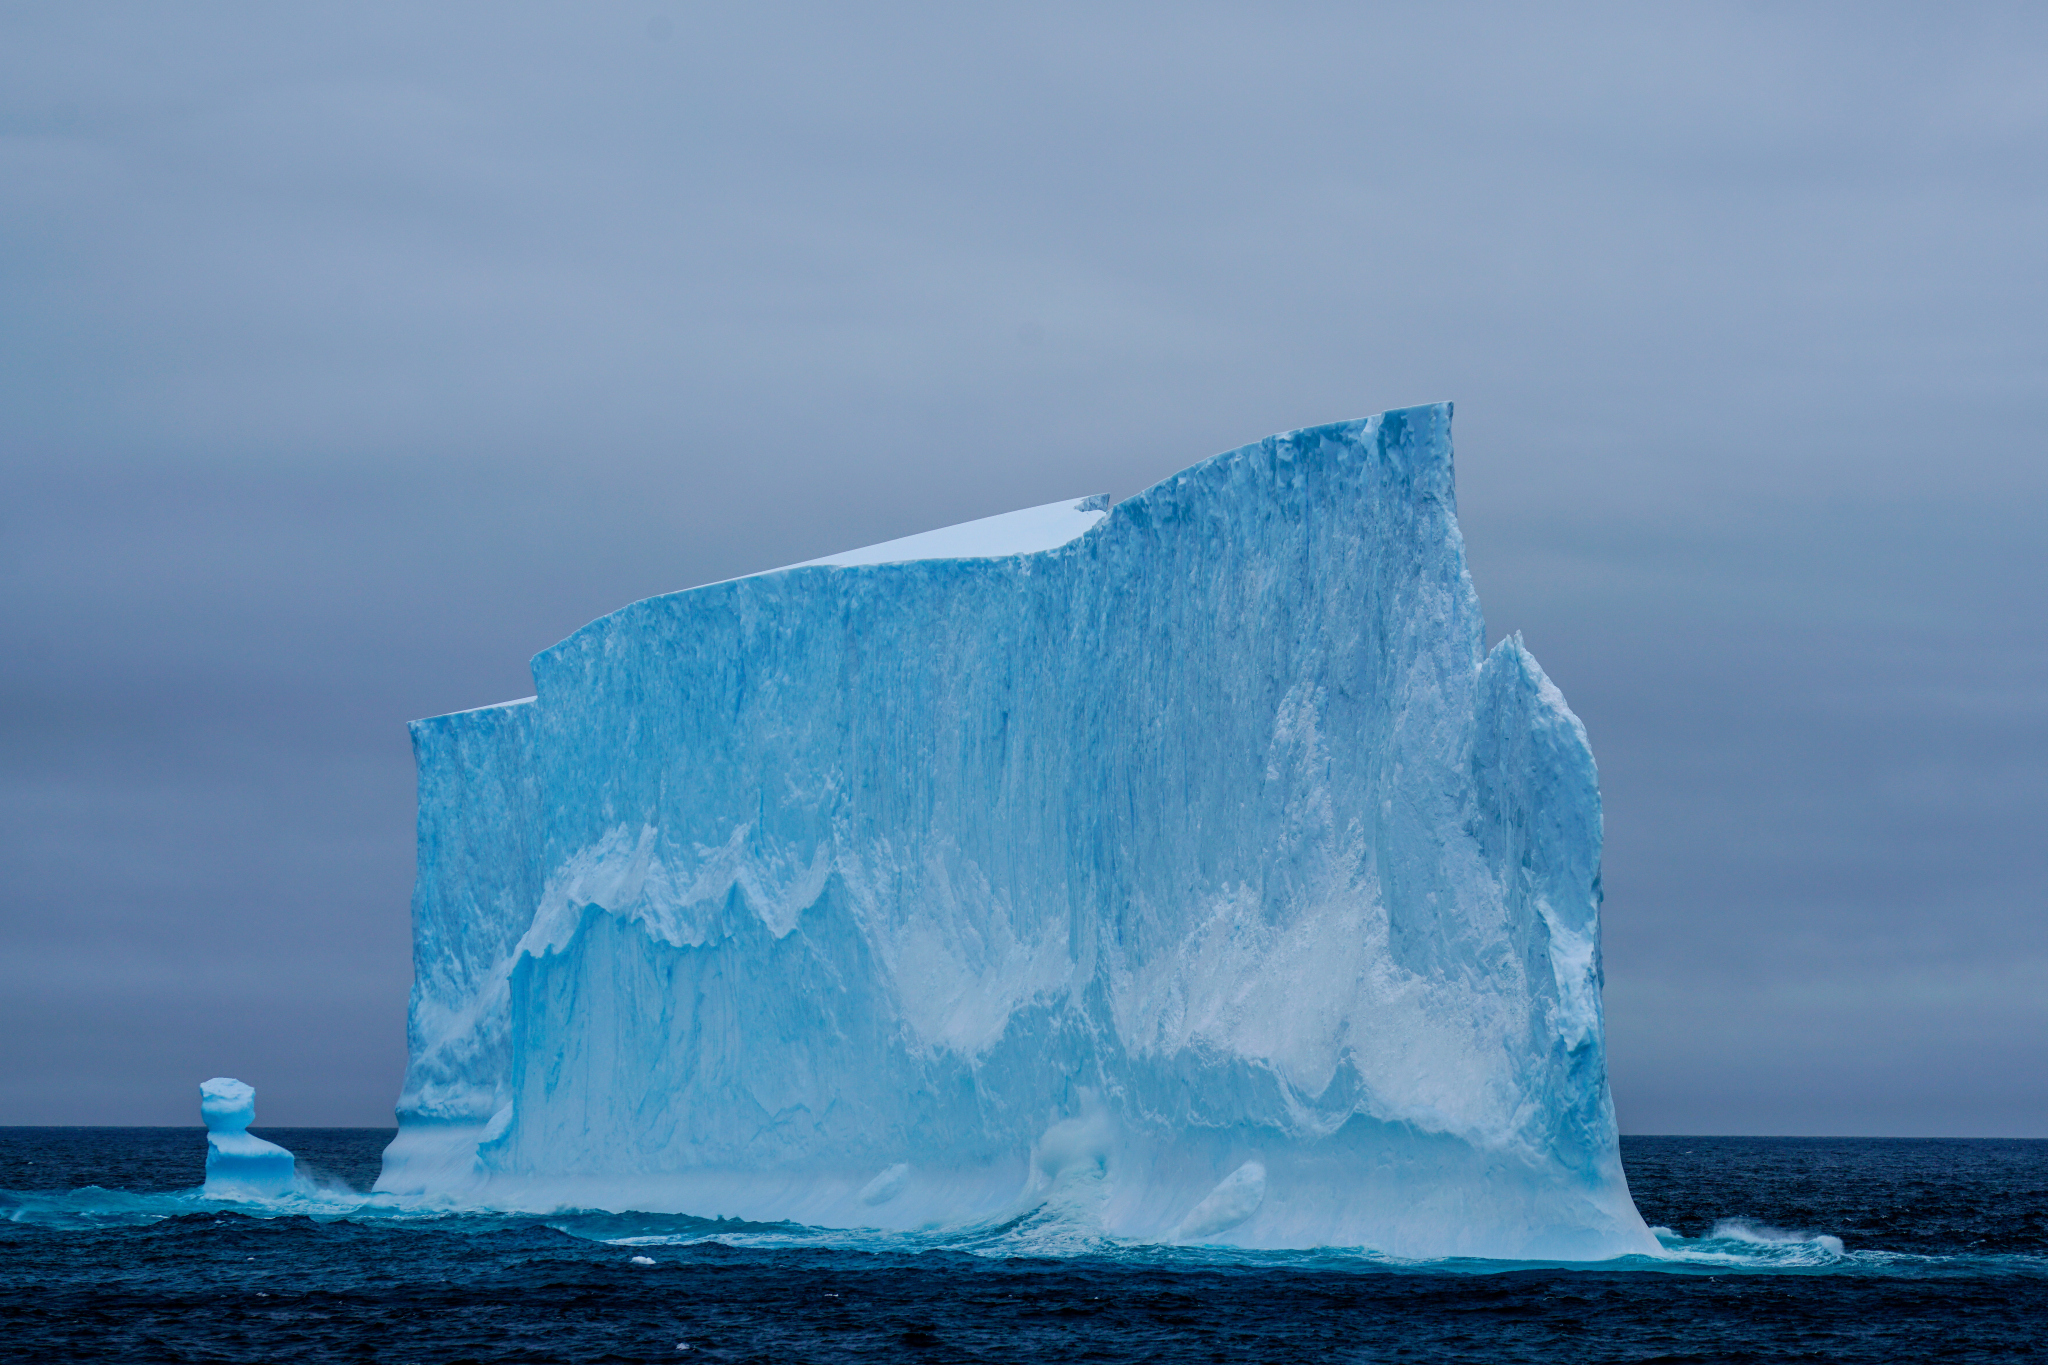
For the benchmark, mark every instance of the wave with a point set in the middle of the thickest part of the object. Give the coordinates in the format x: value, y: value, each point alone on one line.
x: 1733, y: 1245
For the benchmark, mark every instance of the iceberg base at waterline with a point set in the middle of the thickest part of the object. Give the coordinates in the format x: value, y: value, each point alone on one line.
x: 240, y: 1165
x: 1187, y: 869
x: 1383, y: 1188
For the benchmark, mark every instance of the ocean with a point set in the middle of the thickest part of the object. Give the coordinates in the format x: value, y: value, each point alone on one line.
x: 1776, y: 1249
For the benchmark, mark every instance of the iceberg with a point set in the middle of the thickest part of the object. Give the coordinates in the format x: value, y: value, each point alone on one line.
x: 238, y: 1164
x: 1183, y: 870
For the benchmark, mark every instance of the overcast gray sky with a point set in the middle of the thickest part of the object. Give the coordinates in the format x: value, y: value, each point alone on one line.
x: 349, y: 355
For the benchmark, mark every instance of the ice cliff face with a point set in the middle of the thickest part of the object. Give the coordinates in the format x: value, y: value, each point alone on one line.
x: 1197, y: 876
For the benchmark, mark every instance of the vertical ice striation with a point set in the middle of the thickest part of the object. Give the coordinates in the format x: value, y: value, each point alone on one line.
x: 1187, y: 869
x: 474, y: 895
x: 239, y: 1165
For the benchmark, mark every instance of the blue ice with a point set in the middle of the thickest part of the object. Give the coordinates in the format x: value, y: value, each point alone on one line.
x: 239, y: 1164
x: 1182, y: 870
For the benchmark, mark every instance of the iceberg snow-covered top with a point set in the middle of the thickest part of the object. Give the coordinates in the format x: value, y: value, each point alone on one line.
x: 1021, y: 532
x: 1028, y: 530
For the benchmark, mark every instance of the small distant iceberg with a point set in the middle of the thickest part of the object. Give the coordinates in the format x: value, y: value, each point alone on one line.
x: 239, y: 1166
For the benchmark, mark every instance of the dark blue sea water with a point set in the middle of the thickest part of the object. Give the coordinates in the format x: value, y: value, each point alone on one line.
x: 1837, y: 1250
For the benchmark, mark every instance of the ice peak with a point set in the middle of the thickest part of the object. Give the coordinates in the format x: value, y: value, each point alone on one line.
x: 227, y: 1105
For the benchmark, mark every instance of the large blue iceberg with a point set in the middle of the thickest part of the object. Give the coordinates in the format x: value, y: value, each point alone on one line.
x: 1185, y: 870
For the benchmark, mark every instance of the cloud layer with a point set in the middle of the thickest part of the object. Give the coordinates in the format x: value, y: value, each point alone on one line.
x: 350, y: 355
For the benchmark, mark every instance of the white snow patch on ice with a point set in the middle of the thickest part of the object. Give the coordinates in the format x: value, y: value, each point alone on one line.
x: 1023, y: 532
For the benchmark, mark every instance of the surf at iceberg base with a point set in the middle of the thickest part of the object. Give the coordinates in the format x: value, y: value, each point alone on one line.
x: 1186, y: 870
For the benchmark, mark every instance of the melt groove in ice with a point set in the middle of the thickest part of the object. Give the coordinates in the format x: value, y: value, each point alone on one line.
x: 1198, y: 876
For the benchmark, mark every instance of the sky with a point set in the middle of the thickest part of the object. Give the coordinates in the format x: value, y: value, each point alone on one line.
x: 350, y: 355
